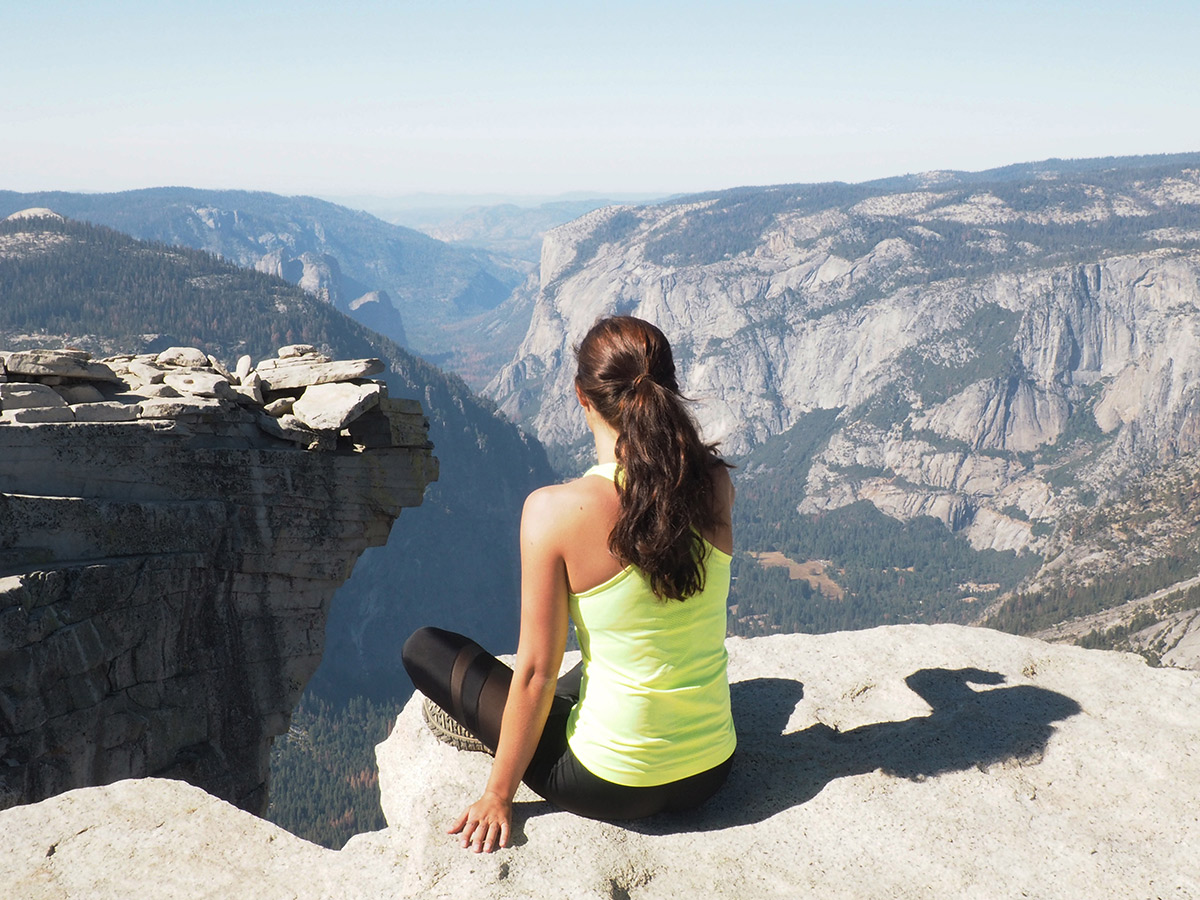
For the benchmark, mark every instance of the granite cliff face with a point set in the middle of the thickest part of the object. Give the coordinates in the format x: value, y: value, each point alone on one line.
x: 906, y: 762
x: 171, y: 535
x: 994, y: 344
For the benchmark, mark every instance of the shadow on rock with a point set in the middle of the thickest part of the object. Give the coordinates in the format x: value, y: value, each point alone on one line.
x: 966, y: 729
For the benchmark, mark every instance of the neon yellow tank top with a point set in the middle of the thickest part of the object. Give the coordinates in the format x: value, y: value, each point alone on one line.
x: 654, y: 701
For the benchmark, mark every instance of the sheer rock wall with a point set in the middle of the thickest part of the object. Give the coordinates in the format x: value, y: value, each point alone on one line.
x: 165, y: 577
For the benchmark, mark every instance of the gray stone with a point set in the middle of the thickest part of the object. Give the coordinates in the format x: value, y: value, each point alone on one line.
x: 165, y: 408
x: 280, y: 407
x: 19, y: 395
x: 219, y: 367
x: 251, y: 388
x: 162, y: 390
x: 199, y: 384
x: 62, y: 363
x: 293, y: 350
x: 399, y: 426
x: 288, y: 374
x: 188, y: 357
x: 33, y: 415
x: 143, y: 372
x: 244, y: 365
x: 159, y: 575
x: 334, y: 406
x: 80, y: 393
x: 106, y: 412
x: 289, y: 428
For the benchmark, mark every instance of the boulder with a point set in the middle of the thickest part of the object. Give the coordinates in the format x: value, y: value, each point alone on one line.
x: 144, y: 372
x: 219, y: 367
x: 199, y: 384
x: 188, y: 357
x: 166, y: 408
x: 19, y: 395
x: 279, y: 407
x: 334, y: 406
x: 250, y: 387
x: 287, y: 427
x: 79, y: 393
x: 293, y: 350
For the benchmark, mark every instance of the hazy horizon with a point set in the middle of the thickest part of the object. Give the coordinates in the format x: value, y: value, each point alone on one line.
x: 540, y: 99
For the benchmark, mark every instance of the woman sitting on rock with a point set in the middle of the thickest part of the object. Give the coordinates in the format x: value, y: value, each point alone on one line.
x: 637, y: 551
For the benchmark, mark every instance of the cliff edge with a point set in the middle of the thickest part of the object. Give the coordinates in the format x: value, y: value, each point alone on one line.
x: 905, y: 761
x: 171, y: 536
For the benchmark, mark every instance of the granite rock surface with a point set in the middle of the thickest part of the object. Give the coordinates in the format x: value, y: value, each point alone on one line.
x: 900, y: 762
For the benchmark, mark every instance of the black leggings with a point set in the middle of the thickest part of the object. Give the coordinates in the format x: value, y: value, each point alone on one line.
x: 472, y: 686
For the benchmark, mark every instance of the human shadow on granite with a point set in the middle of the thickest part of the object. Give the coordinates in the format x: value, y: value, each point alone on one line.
x: 967, y: 729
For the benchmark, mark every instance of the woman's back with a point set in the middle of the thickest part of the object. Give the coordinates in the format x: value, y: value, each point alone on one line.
x: 654, y: 705
x: 585, y: 510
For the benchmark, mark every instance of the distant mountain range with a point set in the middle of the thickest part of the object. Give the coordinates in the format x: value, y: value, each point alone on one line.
x: 996, y: 350
x: 71, y: 283
x: 397, y: 281
x: 505, y: 228
x: 929, y: 382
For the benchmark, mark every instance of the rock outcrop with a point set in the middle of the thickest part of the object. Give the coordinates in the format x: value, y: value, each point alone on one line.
x: 169, y: 546
x: 906, y: 762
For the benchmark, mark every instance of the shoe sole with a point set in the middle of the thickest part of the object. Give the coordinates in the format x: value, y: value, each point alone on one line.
x: 448, y: 731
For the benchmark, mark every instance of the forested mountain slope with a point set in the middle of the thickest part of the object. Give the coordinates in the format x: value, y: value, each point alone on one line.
x: 397, y: 281
x: 90, y: 287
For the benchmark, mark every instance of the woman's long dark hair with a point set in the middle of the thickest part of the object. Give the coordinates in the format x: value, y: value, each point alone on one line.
x: 626, y: 373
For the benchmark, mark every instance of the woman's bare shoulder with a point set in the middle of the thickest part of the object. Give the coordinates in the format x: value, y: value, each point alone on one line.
x: 718, y: 472
x: 554, y: 505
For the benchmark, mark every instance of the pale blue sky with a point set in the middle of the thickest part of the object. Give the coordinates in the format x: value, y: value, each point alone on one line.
x: 532, y: 97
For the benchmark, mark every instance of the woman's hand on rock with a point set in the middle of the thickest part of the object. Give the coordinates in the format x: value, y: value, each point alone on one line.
x: 484, y: 826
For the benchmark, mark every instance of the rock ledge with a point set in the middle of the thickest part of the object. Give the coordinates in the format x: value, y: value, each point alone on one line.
x: 902, y: 762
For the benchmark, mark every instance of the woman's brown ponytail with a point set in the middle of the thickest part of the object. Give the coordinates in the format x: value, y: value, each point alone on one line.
x: 626, y: 372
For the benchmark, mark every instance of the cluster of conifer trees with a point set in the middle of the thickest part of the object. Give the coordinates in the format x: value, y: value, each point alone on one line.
x: 324, y: 780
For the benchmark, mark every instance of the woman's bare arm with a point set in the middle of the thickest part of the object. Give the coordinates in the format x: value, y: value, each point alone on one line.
x: 486, y: 823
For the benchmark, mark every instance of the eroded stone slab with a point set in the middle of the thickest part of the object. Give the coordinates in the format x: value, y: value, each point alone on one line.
x: 282, y: 374
x: 37, y: 414
x: 107, y: 411
x: 165, y: 408
x: 334, y: 406
x: 60, y: 363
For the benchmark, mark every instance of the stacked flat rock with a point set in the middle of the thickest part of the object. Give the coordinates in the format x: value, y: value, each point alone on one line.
x: 301, y: 395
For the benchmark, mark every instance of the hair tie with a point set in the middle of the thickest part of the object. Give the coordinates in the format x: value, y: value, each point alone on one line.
x: 642, y: 377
